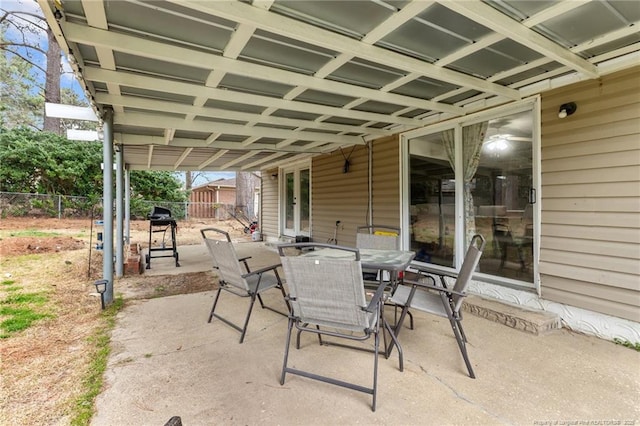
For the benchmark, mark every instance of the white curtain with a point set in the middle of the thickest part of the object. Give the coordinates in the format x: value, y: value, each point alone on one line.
x: 472, y: 139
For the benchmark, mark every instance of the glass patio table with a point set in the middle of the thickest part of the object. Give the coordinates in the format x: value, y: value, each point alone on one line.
x: 392, y: 261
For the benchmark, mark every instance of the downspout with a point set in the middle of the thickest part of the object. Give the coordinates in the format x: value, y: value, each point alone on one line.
x: 119, y: 211
x: 370, y: 177
x: 459, y: 242
x: 127, y: 206
x: 107, y: 204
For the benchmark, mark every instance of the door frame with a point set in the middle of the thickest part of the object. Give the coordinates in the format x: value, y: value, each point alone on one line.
x: 532, y: 104
x: 282, y: 201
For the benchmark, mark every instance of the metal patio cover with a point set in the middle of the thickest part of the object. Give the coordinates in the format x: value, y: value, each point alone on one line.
x: 250, y: 85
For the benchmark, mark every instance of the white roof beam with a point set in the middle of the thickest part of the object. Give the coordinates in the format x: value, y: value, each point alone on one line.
x: 211, y: 159
x: 240, y: 12
x: 70, y: 112
x: 399, y: 18
x: 288, y: 160
x: 212, y: 138
x: 182, y: 157
x: 265, y: 160
x: 170, y: 86
x: 500, y: 23
x: 158, y: 105
x: 238, y: 160
x: 163, y: 121
x: 168, y: 135
x: 238, y: 41
x: 137, y: 140
x: 181, y: 55
x: 551, y: 12
x: 407, y: 13
x: 97, y: 17
x: 155, y: 120
x: 149, y: 156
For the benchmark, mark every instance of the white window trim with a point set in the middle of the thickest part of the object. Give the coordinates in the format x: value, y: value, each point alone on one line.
x: 533, y: 104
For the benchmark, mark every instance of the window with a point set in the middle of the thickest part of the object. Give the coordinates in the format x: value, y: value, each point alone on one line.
x: 475, y: 176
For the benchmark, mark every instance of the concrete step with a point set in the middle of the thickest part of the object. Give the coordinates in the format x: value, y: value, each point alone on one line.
x: 514, y: 316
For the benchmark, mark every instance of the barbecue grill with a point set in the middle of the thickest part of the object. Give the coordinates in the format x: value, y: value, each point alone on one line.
x: 160, y: 220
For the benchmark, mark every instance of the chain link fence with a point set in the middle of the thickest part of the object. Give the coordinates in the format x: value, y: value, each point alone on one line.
x: 15, y: 204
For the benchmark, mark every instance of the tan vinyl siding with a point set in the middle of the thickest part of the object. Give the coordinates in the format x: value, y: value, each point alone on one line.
x: 594, y: 302
x: 344, y: 196
x: 590, y: 235
x: 269, y: 206
x: 386, y: 181
x: 339, y: 196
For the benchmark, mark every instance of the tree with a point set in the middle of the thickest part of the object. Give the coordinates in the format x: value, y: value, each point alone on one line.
x: 42, y: 162
x: 188, y: 180
x: 157, y: 185
x: 45, y: 163
x: 246, y: 183
x: 70, y: 97
x: 20, y: 105
x: 52, y: 82
x: 24, y: 51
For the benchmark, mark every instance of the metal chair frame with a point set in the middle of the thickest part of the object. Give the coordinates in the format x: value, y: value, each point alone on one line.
x: 250, y: 284
x: 309, y: 314
x: 420, y: 296
x: 226, y: 237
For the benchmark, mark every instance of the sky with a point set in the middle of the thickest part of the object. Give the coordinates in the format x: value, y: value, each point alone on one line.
x: 68, y: 78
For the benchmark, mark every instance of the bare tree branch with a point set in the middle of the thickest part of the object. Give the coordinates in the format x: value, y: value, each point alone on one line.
x: 17, y: 13
x: 26, y: 59
x: 27, y: 45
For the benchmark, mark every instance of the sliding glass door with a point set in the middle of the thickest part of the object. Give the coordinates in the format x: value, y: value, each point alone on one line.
x: 475, y: 176
x: 432, y: 201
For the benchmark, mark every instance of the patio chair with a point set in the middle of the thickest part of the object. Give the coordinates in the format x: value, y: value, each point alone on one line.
x: 327, y: 297
x: 245, y: 284
x: 439, y: 299
x: 219, y: 234
x: 381, y: 237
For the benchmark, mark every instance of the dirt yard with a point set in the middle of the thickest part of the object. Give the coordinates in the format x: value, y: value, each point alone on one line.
x: 44, y: 235
x: 43, y: 366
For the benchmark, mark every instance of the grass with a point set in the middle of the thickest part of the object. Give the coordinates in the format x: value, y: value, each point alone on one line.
x: 20, y: 310
x: 33, y: 233
x: 19, y: 319
x: 37, y: 299
x: 93, y: 381
x: 48, y: 296
x: 9, y: 287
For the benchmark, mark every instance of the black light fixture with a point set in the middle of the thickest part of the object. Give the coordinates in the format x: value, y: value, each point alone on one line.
x: 567, y: 109
x: 101, y: 288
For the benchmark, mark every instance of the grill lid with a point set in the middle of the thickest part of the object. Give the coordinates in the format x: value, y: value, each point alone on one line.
x: 159, y: 213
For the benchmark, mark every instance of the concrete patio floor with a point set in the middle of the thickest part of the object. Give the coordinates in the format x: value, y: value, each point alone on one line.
x: 167, y: 361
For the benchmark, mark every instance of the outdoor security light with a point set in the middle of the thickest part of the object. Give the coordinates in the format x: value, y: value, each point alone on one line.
x: 101, y: 288
x: 567, y: 109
